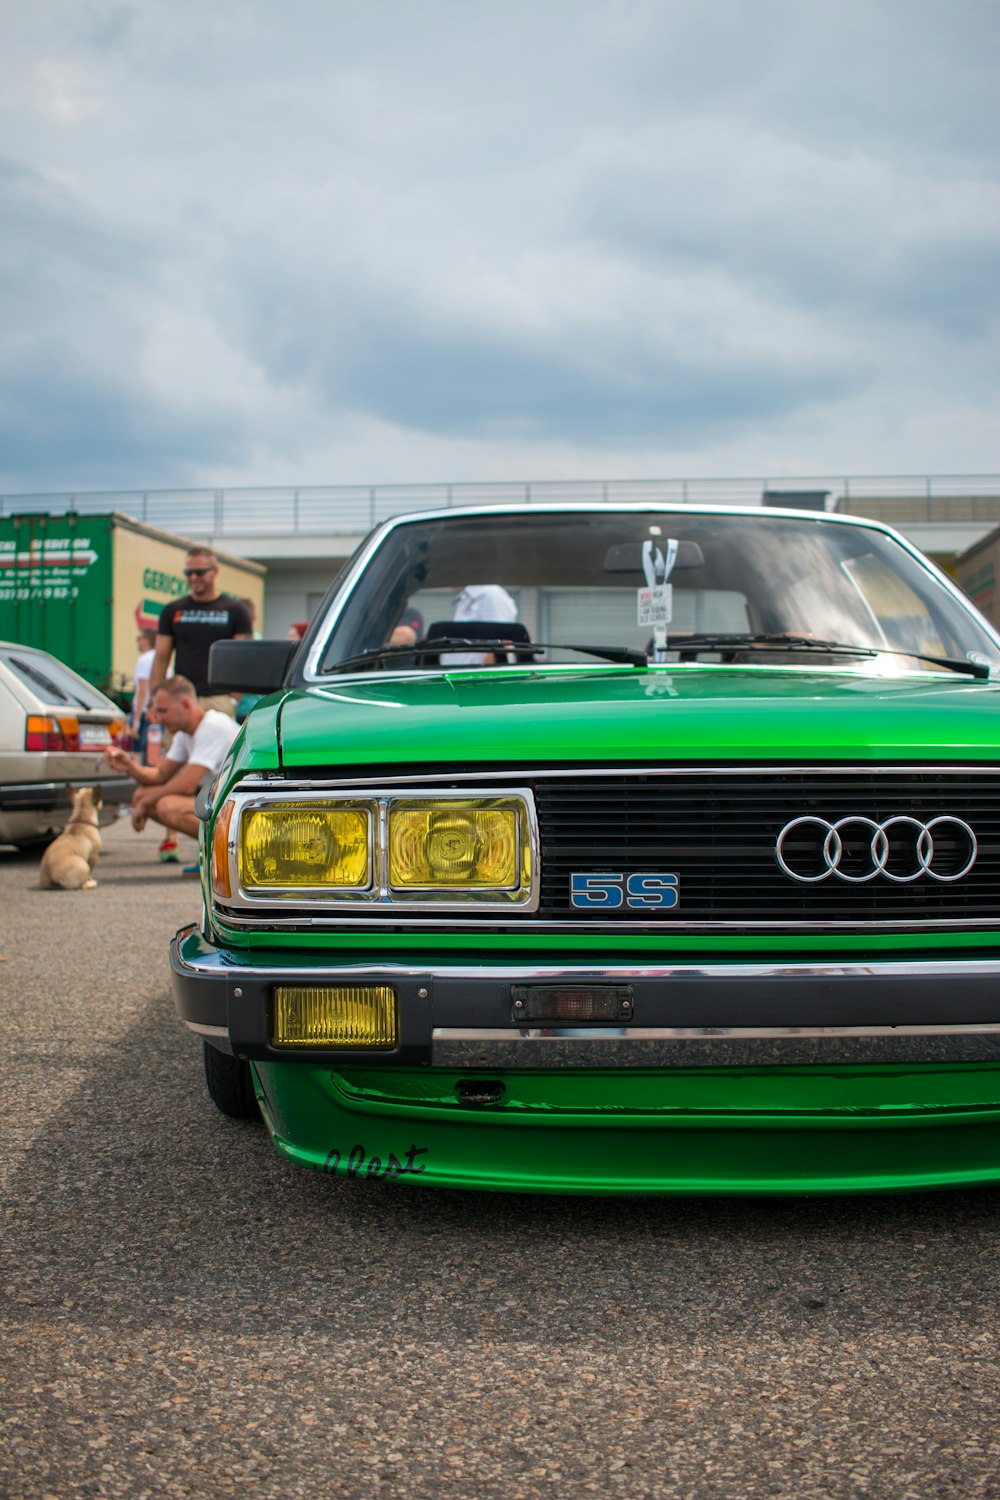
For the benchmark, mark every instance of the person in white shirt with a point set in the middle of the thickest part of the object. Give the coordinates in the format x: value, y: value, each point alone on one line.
x: 201, y: 741
x: 479, y: 601
x: 146, y: 641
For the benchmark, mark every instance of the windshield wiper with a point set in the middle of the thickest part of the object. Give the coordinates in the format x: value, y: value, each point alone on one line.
x: 366, y: 658
x: 523, y: 651
x: 628, y: 654
x: 781, y: 641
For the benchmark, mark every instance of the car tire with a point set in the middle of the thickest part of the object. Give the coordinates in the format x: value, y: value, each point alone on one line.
x: 230, y: 1084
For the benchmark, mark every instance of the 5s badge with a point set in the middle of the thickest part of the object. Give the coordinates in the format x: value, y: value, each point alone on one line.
x: 608, y: 892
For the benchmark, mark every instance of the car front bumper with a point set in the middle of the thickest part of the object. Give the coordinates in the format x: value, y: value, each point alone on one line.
x: 733, y: 1078
x: 680, y: 1014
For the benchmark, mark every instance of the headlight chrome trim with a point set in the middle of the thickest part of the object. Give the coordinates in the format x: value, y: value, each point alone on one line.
x: 379, y: 893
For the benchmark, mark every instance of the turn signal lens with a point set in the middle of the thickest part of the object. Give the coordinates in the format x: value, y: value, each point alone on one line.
x: 349, y: 1015
x: 306, y: 844
x: 221, y: 884
x: 553, y: 1003
x: 42, y: 733
x: 458, y: 844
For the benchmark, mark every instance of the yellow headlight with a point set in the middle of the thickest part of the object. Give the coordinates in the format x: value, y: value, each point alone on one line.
x: 305, y: 843
x: 348, y: 1015
x: 454, y: 843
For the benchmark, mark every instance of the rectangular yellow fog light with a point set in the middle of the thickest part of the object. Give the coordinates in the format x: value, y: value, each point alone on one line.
x: 342, y: 1015
x: 305, y: 844
x: 456, y: 844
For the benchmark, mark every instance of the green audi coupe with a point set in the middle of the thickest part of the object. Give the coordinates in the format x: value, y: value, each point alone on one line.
x: 613, y: 849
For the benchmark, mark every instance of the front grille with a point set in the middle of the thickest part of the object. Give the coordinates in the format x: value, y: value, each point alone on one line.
x: 718, y: 833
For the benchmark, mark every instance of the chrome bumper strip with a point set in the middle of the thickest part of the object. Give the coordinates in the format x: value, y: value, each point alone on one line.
x: 464, y: 1048
x: 221, y: 966
x: 698, y: 1033
x: 463, y: 1015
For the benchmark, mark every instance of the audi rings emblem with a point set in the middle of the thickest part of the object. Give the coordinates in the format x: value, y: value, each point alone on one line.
x: 858, y: 849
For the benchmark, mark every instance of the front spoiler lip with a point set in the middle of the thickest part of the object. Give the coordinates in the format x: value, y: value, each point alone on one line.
x: 228, y: 1003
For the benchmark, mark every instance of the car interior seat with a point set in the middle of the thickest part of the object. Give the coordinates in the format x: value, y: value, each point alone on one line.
x: 477, y: 630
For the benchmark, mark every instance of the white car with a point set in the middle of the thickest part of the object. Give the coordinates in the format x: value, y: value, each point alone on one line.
x: 54, y: 728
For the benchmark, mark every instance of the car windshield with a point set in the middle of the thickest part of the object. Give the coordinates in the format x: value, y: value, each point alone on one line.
x: 52, y: 682
x: 674, y: 585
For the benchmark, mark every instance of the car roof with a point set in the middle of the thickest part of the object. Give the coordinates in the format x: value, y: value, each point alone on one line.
x: 651, y: 507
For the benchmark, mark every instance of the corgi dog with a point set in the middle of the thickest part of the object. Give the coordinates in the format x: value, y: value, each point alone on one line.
x: 68, y: 862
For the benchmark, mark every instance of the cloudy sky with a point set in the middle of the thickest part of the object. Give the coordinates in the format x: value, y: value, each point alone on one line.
x: 368, y: 241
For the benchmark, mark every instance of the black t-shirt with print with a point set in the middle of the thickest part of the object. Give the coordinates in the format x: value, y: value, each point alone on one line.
x: 194, y: 626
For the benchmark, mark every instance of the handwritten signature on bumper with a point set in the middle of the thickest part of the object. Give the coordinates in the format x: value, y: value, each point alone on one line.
x: 360, y: 1164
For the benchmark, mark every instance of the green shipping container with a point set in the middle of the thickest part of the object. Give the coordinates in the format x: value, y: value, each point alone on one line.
x: 81, y: 586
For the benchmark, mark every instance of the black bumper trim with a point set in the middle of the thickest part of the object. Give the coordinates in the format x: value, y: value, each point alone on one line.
x: 55, y: 796
x: 215, y: 995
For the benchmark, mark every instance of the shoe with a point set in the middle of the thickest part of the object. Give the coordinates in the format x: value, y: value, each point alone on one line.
x: 193, y: 871
x: 168, y: 851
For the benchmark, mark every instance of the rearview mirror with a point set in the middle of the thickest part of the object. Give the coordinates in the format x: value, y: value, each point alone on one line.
x: 627, y: 557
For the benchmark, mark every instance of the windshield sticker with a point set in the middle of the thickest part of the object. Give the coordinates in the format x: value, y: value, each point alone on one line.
x: 655, y: 603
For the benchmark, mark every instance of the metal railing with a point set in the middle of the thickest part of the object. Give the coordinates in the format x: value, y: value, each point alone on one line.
x: 324, y: 509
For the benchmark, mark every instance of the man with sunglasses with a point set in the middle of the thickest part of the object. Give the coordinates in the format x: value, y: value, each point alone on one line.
x: 188, y: 627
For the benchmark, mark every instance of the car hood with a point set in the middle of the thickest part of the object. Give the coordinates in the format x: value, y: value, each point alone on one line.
x: 688, y: 713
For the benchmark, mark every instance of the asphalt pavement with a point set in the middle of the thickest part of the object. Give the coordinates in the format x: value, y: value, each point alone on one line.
x: 186, y: 1314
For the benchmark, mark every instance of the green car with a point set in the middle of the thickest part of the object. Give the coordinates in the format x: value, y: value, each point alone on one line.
x: 604, y: 849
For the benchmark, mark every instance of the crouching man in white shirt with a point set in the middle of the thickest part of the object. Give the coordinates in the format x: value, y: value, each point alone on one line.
x: 201, y: 742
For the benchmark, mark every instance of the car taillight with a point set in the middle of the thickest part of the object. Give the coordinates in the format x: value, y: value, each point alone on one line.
x: 43, y: 732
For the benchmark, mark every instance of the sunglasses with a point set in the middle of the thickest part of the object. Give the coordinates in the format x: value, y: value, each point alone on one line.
x: 197, y: 572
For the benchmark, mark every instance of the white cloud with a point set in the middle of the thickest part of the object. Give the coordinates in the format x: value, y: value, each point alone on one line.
x: 65, y: 95
x: 358, y: 242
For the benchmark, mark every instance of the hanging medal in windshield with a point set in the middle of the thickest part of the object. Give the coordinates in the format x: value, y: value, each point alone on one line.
x: 655, y: 603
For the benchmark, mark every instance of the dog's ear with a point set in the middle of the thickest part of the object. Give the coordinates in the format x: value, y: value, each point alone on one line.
x: 96, y: 794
